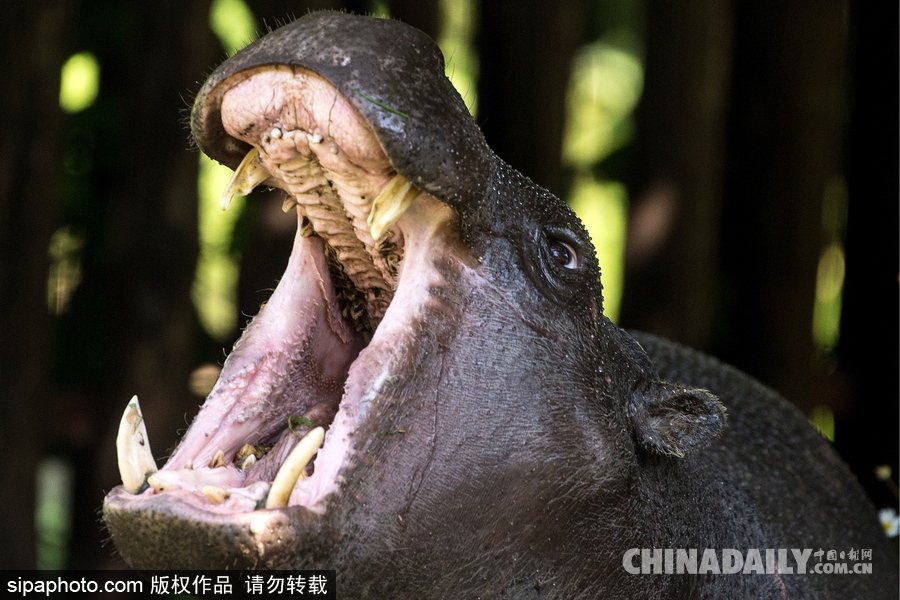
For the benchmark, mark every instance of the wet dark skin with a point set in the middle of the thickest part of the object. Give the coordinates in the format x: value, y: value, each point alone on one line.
x: 520, y: 443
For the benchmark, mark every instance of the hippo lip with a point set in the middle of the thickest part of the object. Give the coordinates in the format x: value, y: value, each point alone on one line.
x: 320, y: 352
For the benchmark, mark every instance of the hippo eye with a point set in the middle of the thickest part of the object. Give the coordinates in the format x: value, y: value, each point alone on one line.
x: 558, y: 262
x: 564, y: 254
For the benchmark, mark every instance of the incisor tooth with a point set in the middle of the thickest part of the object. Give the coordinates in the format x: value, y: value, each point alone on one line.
x: 133, y: 447
x: 390, y: 205
x: 215, y: 494
x: 160, y: 485
x: 249, y: 174
x: 293, y: 467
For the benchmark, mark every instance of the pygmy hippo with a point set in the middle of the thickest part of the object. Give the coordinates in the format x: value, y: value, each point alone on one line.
x: 432, y: 402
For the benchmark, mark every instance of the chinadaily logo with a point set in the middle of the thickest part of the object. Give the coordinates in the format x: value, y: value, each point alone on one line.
x: 729, y: 561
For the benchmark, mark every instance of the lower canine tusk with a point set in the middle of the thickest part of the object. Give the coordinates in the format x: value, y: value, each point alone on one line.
x: 293, y: 467
x: 133, y: 448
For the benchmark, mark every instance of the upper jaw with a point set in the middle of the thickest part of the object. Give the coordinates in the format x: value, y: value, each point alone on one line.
x: 392, y: 75
x: 309, y: 140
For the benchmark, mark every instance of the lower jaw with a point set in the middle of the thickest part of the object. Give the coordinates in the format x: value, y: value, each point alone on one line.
x: 380, y: 362
x: 201, y: 535
x: 161, y: 532
x: 293, y: 359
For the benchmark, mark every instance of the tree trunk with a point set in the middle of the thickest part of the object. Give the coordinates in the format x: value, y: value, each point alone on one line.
x: 784, y: 136
x: 526, y: 51
x: 275, y: 13
x: 868, y: 354
x: 422, y: 14
x: 133, y: 328
x: 676, y: 171
x: 35, y: 36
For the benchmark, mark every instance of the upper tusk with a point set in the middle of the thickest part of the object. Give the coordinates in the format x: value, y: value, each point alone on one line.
x: 390, y: 205
x: 249, y: 174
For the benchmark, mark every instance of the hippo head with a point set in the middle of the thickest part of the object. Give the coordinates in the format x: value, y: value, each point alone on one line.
x: 438, y: 338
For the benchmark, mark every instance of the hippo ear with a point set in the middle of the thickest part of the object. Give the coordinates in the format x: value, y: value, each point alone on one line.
x: 671, y: 419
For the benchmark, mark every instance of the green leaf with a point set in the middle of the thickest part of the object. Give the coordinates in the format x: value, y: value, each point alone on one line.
x: 294, y: 421
x: 384, y: 106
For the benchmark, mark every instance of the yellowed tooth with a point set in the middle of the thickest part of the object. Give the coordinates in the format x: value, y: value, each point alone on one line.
x: 215, y: 494
x: 218, y: 460
x: 245, y: 450
x: 306, y: 227
x: 160, y: 485
x: 293, y: 467
x: 247, y: 456
x: 249, y: 174
x: 390, y: 205
x: 133, y: 447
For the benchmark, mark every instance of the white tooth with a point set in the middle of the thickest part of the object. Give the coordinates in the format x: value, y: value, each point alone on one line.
x: 314, y: 138
x: 215, y: 494
x: 133, y: 448
x: 293, y: 466
x: 195, y: 480
x: 390, y: 205
x: 249, y: 174
x: 248, y: 462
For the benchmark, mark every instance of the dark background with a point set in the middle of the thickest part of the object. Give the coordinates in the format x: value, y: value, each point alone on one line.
x: 750, y: 111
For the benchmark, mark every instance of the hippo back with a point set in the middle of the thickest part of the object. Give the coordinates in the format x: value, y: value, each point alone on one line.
x: 770, y: 481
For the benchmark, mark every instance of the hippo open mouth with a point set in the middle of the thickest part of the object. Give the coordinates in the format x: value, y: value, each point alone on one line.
x: 361, y: 269
x: 354, y: 120
x: 490, y: 434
